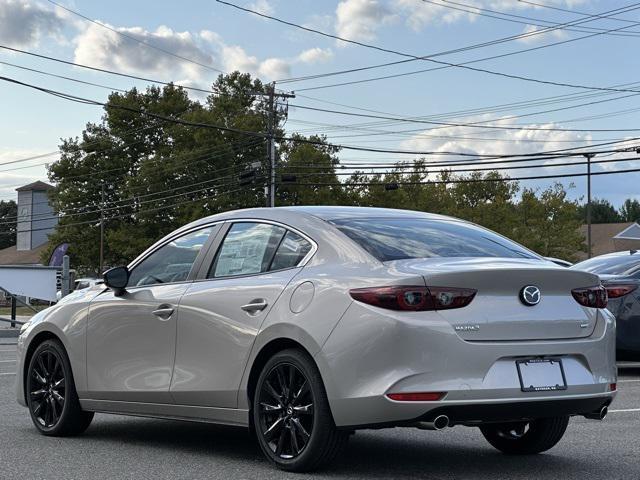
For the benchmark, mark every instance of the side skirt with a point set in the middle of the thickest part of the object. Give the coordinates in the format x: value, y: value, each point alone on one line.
x: 222, y: 416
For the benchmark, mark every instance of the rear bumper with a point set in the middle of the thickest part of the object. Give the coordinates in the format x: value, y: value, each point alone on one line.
x: 370, y: 354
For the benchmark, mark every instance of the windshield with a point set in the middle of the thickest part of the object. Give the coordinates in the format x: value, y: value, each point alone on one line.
x: 624, y: 264
x: 400, y: 238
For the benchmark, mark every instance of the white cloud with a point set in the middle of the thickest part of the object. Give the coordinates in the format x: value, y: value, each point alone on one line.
x: 24, y: 24
x: 262, y: 6
x: 536, y: 34
x: 104, y: 48
x: 495, y: 141
x: 316, y: 55
x: 360, y: 19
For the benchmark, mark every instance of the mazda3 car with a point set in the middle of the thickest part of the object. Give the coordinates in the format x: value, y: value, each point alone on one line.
x: 306, y: 324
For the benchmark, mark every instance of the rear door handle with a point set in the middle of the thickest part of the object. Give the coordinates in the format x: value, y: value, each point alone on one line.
x: 255, y: 306
x: 163, y: 312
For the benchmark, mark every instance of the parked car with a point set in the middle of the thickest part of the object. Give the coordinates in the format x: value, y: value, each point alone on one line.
x: 82, y: 283
x: 559, y: 261
x: 308, y: 323
x: 620, y: 274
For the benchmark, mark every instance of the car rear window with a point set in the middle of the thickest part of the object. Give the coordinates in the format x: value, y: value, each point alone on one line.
x: 611, y: 265
x: 401, y: 238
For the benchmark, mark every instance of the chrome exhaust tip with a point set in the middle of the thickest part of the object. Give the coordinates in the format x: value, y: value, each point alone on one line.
x: 438, y: 423
x: 598, y: 415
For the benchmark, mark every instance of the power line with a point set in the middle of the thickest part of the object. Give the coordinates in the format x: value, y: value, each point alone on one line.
x: 525, y: 35
x: 416, y: 57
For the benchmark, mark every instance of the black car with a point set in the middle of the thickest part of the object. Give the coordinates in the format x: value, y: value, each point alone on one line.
x: 620, y: 274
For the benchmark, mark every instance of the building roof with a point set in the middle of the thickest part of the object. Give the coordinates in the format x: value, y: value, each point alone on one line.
x: 11, y: 256
x: 38, y: 185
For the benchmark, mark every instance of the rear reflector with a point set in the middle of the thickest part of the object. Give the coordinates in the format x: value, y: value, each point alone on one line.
x: 594, y: 297
x: 416, y: 397
x: 615, y: 291
x: 417, y: 299
x: 613, y: 387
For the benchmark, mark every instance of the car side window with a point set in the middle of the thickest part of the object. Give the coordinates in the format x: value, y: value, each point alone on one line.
x: 248, y: 248
x: 293, y: 248
x: 172, y: 262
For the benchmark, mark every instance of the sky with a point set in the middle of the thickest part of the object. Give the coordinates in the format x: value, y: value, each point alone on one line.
x: 593, y: 51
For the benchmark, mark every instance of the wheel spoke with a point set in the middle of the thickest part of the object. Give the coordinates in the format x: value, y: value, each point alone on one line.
x: 47, y: 413
x: 270, y: 433
x: 54, y: 413
x: 282, y: 383
x: 38, y: 407
x: 270, y: 408
x: 292, y: 379
x: 302, y: 391
x: 58, y: 398
x: 59, y: 384
x: 300, y: 429
x: 281, y: 440
x: 45, y: 372
x: 36, y: 394
x: 50, y: 363
x: 295, y: 448
x: 271, y: 391
x: 304, y: 409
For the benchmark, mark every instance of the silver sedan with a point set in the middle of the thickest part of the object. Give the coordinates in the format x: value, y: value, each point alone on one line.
x: 308, y: 323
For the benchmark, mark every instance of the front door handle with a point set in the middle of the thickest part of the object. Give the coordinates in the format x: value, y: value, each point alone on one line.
x: 163, y: 312
x: 255, y: 306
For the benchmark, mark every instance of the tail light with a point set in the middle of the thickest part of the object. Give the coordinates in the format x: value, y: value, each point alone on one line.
x: 615, y: 291
x: 417, y: 299
x: 594, y: 297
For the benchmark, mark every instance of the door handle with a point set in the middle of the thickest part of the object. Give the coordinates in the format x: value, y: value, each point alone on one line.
x: 255, y: 305
x: 163, y: 312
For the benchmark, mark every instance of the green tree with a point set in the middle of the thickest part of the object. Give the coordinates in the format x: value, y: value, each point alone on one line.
x: 8, y: 223
x: 630, y: 210
x: 602, y: 211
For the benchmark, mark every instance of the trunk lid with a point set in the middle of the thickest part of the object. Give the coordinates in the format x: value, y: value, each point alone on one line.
x: 498, y: 313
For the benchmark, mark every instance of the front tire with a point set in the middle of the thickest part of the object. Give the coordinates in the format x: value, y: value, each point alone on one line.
x: 526, y: 438
x: 51, y: 393
x: 291, y: 414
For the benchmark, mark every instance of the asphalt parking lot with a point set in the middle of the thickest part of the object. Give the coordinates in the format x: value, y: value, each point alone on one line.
x: 132, y: 448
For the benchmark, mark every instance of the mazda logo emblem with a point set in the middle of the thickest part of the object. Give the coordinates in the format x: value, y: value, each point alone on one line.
x: 530, y: 295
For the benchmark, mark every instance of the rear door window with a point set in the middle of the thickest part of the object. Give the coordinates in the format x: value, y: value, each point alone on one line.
x: 248, y: 248
x: 402, y: 238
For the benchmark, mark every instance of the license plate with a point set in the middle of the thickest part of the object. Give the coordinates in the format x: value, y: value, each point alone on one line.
x: 541, y: 374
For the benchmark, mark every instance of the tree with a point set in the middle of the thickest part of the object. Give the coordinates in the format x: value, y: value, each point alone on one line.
x: 602, y: 211
x: 8, y: 223
x: 630, y: 210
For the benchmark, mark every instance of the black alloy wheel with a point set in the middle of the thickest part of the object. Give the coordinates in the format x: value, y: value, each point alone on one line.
x: 286, y: 406
x: 51, y: 394
x: 291, y: 416
x: 47, y: 388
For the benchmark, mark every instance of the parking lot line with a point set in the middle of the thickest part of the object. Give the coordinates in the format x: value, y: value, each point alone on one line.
x: 7, y: 361
x: 622, y: 410
x: 629, y: 380
x: 8, y: 373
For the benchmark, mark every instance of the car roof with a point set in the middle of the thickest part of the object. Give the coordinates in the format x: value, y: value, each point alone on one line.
x: 341, y: 212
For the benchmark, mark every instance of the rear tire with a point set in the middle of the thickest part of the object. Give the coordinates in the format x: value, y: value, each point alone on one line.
x: 51, y: 393
x: 291, y: 414
x: 526, y: 438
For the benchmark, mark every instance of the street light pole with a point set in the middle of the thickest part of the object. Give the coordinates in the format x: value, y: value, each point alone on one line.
x: 589, y: 156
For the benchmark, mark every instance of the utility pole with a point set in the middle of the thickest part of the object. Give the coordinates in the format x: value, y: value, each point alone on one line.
x: 589, y: 156
x: 101, y: 263
x: 271, y: 143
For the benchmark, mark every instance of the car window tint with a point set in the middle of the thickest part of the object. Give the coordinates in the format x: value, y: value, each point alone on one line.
x: 172, y: 262
x: 400, y: 238
x: 248, y: 248
x: 81, y: 285
x: 610, y: 264
x: 291, y: 251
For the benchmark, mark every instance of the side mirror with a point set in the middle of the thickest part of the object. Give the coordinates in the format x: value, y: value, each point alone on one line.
x: 116, y: 279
